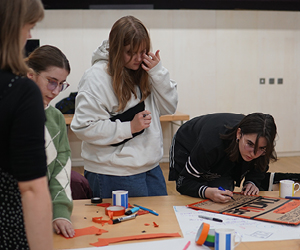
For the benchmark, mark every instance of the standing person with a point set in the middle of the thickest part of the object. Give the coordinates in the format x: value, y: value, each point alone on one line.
x: 119, y: 102
x: 49, y: 68
x: 219, y: 150
x: 25, y: 214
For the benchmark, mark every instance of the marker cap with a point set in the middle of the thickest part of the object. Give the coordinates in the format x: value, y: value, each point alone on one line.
x: 131, y: 211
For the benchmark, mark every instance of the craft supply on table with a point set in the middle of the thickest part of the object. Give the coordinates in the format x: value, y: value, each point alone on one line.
x: 129, y: 217
x: 147, y: 209
x: 292, y: 197
x: 210, y: 239
x: 115, y: 210
x: 250, y: 230
x: 141, y: 212
x: 155, y: 224
x: 120, y: 198
x: 86, y: 231
x: 202, y: 233
x: 187, y: 245
x: 263, y: 208
x: 99, y: 220
x: 96, y: 200
x: 210, y: 218
x: 98, y: 204
x: 132, y: 211
x: 106, y: 241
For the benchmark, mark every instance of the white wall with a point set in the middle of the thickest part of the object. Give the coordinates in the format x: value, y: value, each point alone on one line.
x: 216, y: 57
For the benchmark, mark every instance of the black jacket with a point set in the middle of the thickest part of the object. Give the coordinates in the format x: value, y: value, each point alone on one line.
x: 198, y: 156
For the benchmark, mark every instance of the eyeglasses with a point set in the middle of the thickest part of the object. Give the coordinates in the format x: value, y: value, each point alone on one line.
x: 249, y: 146
x: 53, y: 84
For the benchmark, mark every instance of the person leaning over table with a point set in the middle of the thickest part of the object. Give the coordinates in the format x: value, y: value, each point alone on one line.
x: 25, y: 204
x: 219, y: 150
x: 119, y: 101
x: 49, y: 68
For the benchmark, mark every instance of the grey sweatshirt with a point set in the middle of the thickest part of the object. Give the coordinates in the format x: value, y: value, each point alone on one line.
x: 96, y: 102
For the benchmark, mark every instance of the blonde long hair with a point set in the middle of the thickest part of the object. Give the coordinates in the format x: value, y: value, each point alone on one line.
x: 14, y: 14
x: 126, y: 31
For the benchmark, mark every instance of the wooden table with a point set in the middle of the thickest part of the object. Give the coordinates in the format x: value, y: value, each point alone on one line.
x: 178, y: 116
x: 68, y: 118
x: 82, y: 217
x: 163, y: 205
x: 172, y: 119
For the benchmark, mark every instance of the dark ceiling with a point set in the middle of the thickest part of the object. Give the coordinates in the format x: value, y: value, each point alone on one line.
x: 284, y: 5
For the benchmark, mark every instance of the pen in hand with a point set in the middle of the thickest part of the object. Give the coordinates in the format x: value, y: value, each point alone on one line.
x: 220, y: 188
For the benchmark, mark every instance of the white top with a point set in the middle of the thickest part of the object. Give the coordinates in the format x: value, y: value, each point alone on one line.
x: 96, y: 103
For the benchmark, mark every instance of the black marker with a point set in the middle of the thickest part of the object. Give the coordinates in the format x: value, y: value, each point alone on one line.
x: 210, y: 218
x: 115, y: 221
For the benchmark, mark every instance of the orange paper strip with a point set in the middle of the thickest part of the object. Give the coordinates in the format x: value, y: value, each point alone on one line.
x: 110, y: 214
x: 107, y: 241
x: 100, y: 221
x: 87, y: 231
x: 141, y: 212
x: 155, y: 225
x: 287, y: 207
x: 103, y: 204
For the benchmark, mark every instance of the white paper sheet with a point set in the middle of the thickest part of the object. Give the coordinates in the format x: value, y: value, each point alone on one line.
x: 250, y: 230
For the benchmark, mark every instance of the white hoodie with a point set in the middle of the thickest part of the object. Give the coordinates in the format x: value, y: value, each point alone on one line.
x: 96, y: 102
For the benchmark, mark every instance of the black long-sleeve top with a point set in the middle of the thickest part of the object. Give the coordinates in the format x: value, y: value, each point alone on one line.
x: 199, y: 156
x: 22, y: 152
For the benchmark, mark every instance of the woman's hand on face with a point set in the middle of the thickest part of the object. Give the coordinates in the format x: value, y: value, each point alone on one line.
x: 140, y: 121
x: 63, y: 227
x: 150, y: 60
x: 250, y: 189
x: 217, y: 195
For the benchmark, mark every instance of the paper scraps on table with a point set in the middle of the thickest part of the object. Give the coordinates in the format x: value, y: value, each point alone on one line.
x: 87, y: 231
x: 106, y: 241
x: 110, y: 214
x: 100, y: 221
x: 155, y: 225
x: 103, y: 204
x: 141, y: 212
x: 287, y: 207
